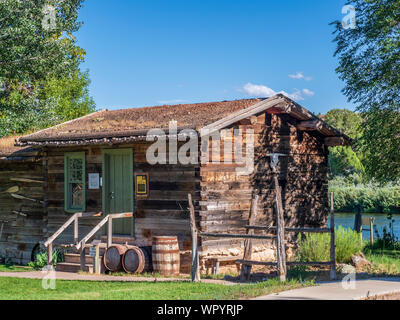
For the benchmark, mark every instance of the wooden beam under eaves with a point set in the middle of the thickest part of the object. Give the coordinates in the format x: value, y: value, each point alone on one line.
x: 336, y: 141
x: 314, y: 125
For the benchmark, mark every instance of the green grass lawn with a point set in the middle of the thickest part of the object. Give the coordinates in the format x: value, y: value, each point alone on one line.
x: 28, y: 289
x: 12, y: 268
x: 385, y: 262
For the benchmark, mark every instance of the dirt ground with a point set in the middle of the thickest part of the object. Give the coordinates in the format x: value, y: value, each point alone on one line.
x: 395, y: 296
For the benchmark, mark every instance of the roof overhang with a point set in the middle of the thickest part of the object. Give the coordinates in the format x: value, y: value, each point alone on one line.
x: 278, y: 104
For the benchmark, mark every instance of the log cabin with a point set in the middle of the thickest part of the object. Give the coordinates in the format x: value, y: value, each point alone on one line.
x: 100, y: 164
x: 22, y: 221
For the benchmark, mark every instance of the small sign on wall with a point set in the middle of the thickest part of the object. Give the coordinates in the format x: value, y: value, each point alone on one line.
x: 94, y: 181
x: 141, y: 184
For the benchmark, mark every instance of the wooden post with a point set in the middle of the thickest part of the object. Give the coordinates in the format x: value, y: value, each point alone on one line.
x: 97, y: 260
x: 50, y: 254
x: 358, y: 220
x: 76, y: 230
x: 83, y: 257
x: 195, y: 247
x: 280, y: 237
x: 333, y: 246
x: 248, y: 245
x: 110, y: 232
x: 371, y: 224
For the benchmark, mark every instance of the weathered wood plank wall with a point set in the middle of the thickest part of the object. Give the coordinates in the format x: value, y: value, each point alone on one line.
x: 21, y: 233
x: 163, y: 213
x: 226, y: 197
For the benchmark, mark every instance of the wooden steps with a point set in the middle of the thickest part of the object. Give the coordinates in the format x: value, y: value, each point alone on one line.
x: 76, y: 258
x: 121, y: 240
x: 72, y: 263
x: 73, y: 267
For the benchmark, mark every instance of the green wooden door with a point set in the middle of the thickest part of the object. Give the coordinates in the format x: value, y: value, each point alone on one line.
x: 118, y: 187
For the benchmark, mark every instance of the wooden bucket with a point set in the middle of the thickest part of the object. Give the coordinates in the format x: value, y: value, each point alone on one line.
x: 113, y: 257
x: 133, y: 260
x: 166, y: 255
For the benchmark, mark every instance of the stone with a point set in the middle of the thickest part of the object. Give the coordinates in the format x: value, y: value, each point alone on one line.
x: 359, y: 261
x: 345, y: 268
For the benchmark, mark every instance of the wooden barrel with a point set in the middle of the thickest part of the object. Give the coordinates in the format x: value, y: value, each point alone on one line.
x: 133, y: 260
x: 148, y: 261
x: 113, y: 257
x: 166, y: 255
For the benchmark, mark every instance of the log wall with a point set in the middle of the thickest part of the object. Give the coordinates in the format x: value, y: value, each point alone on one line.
x: 21, y: 234
x: 163, y: 213
x: 226, y: 196
x: 222, y: 197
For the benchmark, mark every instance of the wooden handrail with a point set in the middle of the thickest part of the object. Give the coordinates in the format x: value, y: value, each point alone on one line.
x: 92, y: 233
x: 107, y: 219
x: 235, y: 236
x: 74, y: 219
x: 62, y: 229
x: 305, y: 230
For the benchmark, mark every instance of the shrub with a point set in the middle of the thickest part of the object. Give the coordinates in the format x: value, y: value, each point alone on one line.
x: 316, y: 246
x: 41, y: 259
x: 371, y: 197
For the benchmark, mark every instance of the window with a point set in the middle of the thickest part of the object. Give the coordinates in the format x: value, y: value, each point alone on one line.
x: 75, y: 182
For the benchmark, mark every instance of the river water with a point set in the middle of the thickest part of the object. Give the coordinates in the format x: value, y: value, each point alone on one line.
x: 347, y: 220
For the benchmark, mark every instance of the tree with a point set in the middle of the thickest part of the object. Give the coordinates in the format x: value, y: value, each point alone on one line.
x: 344, y: 161
x: 369, y: 64
x: 36, y: 39
x: 45, y: 104
x: 69, y: 96
x: 40, y: 81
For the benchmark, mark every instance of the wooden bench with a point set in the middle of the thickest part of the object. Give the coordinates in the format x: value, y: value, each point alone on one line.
x: 215, y: 261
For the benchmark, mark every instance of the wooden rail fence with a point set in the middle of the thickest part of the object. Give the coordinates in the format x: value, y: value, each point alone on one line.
x: 280, y: 231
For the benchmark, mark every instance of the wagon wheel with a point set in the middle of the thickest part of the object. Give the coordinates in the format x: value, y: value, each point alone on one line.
x: 38, y: 248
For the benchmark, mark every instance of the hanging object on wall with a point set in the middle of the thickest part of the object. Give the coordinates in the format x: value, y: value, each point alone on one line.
x: 20, y: 197
x: 19, y: 213
x: 141, y: 185
x: 94, y: 181
x: 11, y: 190
x: 26, y: 180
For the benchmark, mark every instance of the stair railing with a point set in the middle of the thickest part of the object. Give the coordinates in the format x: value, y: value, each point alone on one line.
x: 108, y: 219
x: 74, y: 219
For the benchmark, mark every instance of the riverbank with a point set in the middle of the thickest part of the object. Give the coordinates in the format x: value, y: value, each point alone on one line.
x: 347, y: 221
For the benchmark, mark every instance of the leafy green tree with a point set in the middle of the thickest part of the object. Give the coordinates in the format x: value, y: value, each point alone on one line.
x: 344, y: 161
x: 69, y: 96
x: 369, y: 63
x: 36, y: 39
x: 40, y: 81
x: 349, y: 122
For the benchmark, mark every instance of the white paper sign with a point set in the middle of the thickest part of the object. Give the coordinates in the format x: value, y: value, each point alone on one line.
x: 92, y: 251
x: 94, y: 181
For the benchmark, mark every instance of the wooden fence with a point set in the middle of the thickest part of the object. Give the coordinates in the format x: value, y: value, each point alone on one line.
x: 280, y: 231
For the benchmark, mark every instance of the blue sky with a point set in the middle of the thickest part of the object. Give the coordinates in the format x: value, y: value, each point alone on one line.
x: 151, y: 52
